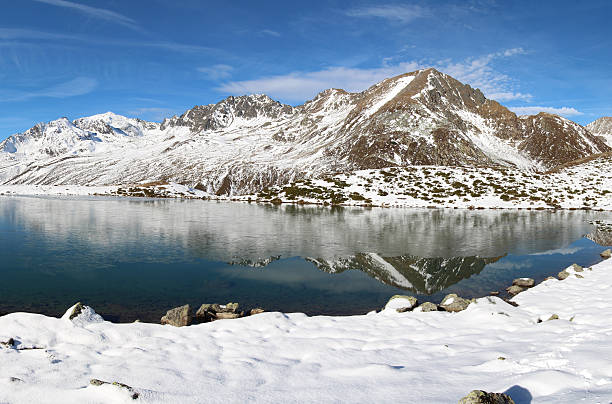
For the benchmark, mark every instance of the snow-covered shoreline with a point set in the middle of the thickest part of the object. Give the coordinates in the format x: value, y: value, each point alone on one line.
x: 587, y: 186
x: 275, y: 357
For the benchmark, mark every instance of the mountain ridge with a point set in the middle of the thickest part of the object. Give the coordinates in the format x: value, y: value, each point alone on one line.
x: 245, y: 143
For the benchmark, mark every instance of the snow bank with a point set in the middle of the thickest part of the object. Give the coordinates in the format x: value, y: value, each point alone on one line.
x: 380, y: 357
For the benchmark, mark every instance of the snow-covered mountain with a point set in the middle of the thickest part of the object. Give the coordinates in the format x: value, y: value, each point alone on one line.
x: 243, y: 144
x: 602, y: 127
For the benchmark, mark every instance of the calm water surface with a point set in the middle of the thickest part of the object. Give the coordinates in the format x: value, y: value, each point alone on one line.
x: 134, y: 259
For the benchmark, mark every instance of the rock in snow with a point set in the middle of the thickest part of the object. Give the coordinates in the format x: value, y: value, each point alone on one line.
x: 606, y: 254
x: 427, y: 306
x: 482, y: 397
x: 454, y: 303
x: 515, y: 290
x: 563, y: 275
x: 401, y: 303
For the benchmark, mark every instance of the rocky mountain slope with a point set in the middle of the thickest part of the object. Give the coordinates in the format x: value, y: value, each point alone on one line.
x: 244, y: 144
x: 602, y: 127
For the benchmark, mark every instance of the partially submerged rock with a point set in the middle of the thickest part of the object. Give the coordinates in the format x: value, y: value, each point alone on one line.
x: 563, y: 275
x: 515, y: 290
x: 178, y: 317
x: 606, y: 254
x: 401, y: 303
x: 482, y: 397
x: 524, y: 282
x: 211, y: 312
x: 98, y: 382
x: 454, y: 303
x: 257, y: 310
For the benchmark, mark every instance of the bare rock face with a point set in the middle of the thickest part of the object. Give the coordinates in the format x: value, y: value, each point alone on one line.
x: 222, y: 114
x: 178, y: 317
x: 482, y: 397
x: 555, y: 140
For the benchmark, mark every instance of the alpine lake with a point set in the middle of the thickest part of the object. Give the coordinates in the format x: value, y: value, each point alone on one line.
x: 132, y: 258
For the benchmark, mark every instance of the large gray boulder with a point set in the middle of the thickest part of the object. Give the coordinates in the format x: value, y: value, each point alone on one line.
x: 178, y: 317
x: 454, y: 303
x: 482, y: 397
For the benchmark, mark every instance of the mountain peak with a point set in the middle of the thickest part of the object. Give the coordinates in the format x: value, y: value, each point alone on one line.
x: 602, y: 128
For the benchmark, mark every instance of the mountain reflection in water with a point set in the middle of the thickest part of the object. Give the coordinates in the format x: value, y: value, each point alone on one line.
x: 135, y: 258
x: 409, y: 272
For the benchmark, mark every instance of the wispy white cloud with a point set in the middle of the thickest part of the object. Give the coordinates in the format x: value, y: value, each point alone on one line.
x: 152, y: 113
x: 562, y: 251
x: 399, y: 13
x: 94, y: 12
x: 217, y: 72
x: 299, y: 86
x: 11, y: 34
x: 533, y: 110
x: 72, y: 88
x: 480, y: 73
x: 270, y: 32
x: 508, y: 265
x: 20, y: 33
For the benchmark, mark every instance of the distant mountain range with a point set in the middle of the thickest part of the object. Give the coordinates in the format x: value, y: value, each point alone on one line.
x: 244, y: 144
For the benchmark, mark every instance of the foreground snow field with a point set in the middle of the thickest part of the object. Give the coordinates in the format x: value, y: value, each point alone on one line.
x: 434, y: 357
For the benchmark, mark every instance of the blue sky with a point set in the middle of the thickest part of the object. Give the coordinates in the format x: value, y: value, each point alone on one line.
x: 156, y: 58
